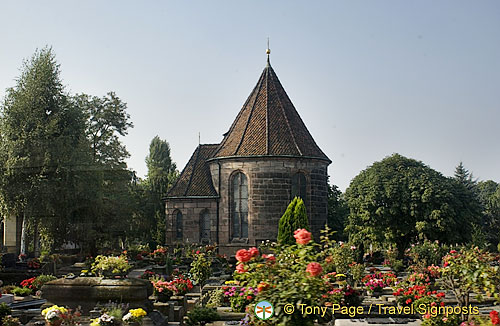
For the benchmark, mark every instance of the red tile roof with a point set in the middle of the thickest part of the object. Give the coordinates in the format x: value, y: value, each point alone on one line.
x: 269, y: 125
x: 195, y: 180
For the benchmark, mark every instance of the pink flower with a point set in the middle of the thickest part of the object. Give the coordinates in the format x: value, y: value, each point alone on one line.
x: 302, y: 236
x: 314, y: 269
x: 243, y: 255
x: 241, y: 268
x: 254, y: 251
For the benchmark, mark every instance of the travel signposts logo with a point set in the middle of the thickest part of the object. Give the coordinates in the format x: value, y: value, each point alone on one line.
x: 264, y: 310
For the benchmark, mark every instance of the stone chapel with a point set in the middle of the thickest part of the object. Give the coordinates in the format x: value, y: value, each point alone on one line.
x: 233, y: 194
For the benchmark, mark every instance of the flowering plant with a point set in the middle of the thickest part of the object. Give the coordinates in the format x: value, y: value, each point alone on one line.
x: 340, y: 292
x: 135, y: 315
x: 378, y: 281
x: 276, y: 274
x: 239, y: 298
x: 54, y: 314
x: 180, y: 285
x: 34, y: 263
x: 468, y: 270
x: 105, y: 320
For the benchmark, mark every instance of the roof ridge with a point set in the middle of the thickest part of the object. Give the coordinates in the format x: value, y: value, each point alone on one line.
x: 250, y: 114
x: 286, y: 118
x: 224, y: 140
x: 267, y: 105
x: 194, y: 169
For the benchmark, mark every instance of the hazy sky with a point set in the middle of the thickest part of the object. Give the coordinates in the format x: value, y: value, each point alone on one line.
x: 369, y: 78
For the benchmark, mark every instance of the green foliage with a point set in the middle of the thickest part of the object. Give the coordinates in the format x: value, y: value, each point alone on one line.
x: 4, y: 310
x: 489, y: 196
x: 215, y: 298
x: 162, y: 173
x: 41, y: 280
x: 201, y: 316
x: 41, y: 150
x: 295, y: 217
x: 201, y: 268
x: 399, y: 199
x: 63, y: 164
x: 425, y: 253
x: 470, y: 270
x: 21, y: 291
x: 338, y: 211
x: 107, y: 265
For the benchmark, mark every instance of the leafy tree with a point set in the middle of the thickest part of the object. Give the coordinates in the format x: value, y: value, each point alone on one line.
x: 107, y: 221
x: 399, y: 199
x: 338, y: 211
x: 489, y: 197
x: 295, y: 217
x: 107, y: 120
x: 42, y: 147
x: 466, y: 191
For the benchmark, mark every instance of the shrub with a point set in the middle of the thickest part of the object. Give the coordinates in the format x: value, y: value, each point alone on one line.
x: 294, y: 218
x: 201, y: 268
x: 471, y: 270
x: 201, y: 315
x: 425, y: 254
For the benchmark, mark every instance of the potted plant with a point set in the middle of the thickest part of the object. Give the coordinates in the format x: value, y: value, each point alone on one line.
x: 134, y: 316
x: 54, y: 315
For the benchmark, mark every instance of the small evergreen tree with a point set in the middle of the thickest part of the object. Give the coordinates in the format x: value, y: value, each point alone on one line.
x: 295, y: 217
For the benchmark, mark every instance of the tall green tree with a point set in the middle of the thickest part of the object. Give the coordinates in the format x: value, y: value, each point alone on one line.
x: 338, y: 211
x: 466, y: 191
x: 42, y: 147
x: 162, y: 173
x: 107, y: 222
x: 398, y: 200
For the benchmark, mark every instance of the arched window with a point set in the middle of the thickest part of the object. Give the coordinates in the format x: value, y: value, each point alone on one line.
x: 239, y: 206
x: 178, y: 226
x: 299, y: 186
x: 205, y: 227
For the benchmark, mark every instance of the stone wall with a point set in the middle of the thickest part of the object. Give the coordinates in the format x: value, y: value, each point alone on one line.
x: 191, y: 209
x: 270, y: 183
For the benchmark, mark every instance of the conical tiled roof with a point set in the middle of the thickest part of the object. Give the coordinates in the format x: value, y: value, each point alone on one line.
x: 269, y: 125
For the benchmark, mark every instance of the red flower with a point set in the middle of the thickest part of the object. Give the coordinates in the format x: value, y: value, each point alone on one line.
x: 408, y: 301
x: 302, y: 236
x: 254, y: 251
x: 197, y: 252
x: 314, y: 269
x: 495, y: 320
x: 249, y: 297
x: 440, y: 295
x: 240, y: 268
x: 243, y: 255
x: 270, y: 258
x: 262, y: 286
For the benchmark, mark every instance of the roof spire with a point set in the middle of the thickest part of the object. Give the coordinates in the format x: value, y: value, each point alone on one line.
x: 268, y: 52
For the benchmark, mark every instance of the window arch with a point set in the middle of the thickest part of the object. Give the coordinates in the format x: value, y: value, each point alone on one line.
x: 179, y: 228
x: 299, y: 186
x: 205, y: 226
x: 239, y: 206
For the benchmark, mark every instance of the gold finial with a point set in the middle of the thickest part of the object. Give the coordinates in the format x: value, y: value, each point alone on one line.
x: 268, y: 50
